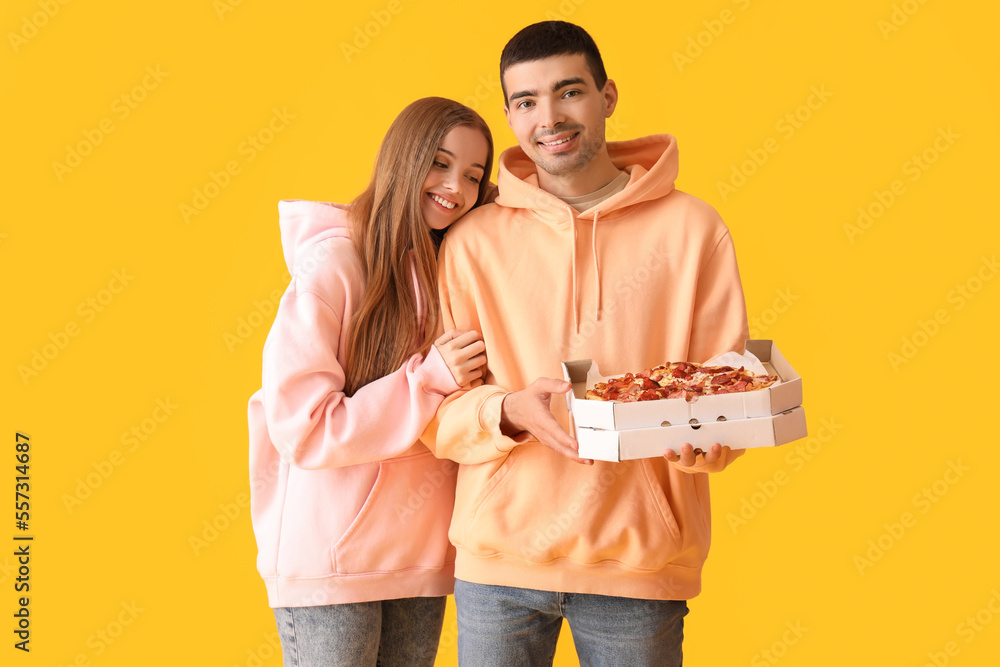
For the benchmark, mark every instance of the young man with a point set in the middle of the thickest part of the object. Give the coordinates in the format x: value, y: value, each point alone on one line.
x: 589, y: 251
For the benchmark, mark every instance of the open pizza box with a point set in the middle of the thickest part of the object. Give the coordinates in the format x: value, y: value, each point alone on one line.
x: 611, y: 431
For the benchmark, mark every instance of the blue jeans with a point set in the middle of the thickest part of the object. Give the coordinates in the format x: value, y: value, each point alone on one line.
x: 387, y: 633
x: 518, y: 627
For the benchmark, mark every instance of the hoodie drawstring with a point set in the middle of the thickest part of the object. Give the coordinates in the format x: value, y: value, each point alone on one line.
x: 576, y: 296
x: 597, y: 265
x: 597, y: 270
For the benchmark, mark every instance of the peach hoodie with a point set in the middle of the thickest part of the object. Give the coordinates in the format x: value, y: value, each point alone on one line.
x: 645, y: 277
x: 347, y: 505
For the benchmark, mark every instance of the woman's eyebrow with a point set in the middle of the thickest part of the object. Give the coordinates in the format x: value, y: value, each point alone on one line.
x: 474, y: 164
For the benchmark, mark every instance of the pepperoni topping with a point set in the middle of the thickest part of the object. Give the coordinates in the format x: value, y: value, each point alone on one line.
x: 724, y: 378
x: 679, y: 380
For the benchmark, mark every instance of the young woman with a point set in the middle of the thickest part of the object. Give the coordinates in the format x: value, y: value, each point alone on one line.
x: 350, y: 510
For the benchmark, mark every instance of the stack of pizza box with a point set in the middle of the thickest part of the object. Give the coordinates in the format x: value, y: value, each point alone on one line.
x: 613, y: 431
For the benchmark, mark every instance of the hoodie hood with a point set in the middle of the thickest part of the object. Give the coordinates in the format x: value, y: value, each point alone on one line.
x: 651, y: 163
x: 308, y: 227
x: 305, y: 223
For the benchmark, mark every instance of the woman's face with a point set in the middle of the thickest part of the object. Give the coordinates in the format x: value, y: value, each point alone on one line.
x: 452, y: 184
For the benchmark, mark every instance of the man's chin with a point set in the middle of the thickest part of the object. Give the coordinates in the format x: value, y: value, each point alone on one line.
x: 558, y: 165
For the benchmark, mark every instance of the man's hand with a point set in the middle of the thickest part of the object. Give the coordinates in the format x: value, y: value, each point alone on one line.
x: 528, y: 410
x: 689, y: 454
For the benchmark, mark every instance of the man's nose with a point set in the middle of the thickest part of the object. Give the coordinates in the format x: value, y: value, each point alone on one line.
x: 551, y: 115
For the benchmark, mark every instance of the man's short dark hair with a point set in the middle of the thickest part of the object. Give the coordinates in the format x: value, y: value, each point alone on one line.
x: 547, y: 39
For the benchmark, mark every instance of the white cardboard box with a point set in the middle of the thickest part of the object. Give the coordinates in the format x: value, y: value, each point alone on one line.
x: 610, y: 431
x: 642, y: 443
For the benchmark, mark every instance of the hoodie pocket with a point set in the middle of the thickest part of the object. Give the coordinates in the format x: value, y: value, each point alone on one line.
x: 605, y: 513
x: 659, y: 500
x: 404, y: 521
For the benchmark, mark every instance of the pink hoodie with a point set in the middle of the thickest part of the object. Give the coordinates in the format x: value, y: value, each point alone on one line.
x: 347, y: 505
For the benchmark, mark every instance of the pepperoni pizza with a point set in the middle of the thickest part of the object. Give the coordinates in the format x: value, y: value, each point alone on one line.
x: 679, y: 380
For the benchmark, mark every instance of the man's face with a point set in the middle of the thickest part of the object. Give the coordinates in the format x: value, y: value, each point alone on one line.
x: 557, y: 112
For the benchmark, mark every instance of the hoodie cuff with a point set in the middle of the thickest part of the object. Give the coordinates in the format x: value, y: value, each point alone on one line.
x: 489, y: 421
x: 439, y: 379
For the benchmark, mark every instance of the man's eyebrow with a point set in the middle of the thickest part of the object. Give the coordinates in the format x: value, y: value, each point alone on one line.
x: 575, y: 81
x: 474, y: 164
x: 523, y: 93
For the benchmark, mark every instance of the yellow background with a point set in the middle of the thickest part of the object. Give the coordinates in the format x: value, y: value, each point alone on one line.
x: 187, y: 323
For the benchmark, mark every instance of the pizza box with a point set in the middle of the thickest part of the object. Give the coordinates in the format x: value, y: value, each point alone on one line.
x: 644, y: 443
x: 668, y: 412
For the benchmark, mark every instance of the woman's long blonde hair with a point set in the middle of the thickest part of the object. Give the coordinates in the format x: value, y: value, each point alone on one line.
x: 386, y: 222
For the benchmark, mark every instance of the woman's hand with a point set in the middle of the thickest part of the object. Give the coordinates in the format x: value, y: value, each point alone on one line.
x: 465, y: 354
